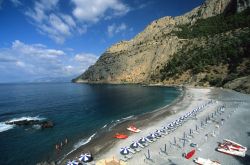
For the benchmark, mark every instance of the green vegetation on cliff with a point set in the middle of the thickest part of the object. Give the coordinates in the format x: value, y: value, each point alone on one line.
x: 223, y: 40
x: 214, y: 25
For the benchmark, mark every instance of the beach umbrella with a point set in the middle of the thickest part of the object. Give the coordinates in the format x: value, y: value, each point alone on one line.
x: 179, y: 121
x: 134, y: 145
x: 163, y: 131
x: 143, y: 140
x: 86, y: 157
x: 153, y: 135
x: 173, y: 124
x: 157, y: 134
x: 124, y: 151
x: 74, y: 162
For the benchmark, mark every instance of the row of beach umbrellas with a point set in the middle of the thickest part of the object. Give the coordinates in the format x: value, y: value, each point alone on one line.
x: 142, y: 142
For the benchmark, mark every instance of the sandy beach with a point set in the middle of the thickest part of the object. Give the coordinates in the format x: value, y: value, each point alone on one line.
x: 235, y: 126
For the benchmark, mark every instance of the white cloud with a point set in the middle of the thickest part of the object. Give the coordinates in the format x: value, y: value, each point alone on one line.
x: 20, y: 63
x: 50, y: 21
x: 38, y: 50
x: 37, y: 60
x: 16, y: 3
x: 57, y: 25
x: 94, y: 10
x: 115, y: 29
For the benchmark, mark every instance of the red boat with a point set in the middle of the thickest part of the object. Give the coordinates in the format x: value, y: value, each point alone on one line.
x: 190, y: 154
x: 120, y: 136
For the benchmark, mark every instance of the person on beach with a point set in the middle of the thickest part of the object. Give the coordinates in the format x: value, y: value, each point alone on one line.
x: 66, y: 141
x: 57, y: 148
x: 206, y: 137
x: 61, y: 145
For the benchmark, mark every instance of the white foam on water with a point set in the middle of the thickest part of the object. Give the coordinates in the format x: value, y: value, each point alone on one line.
x: 79, y: 144
x: 5, y: 127
x: 129, y: 117
x: 36, y: 126
x: 28, y: 118
x: 84, y: 141
x: 114, y: 123
x: 105, y: 126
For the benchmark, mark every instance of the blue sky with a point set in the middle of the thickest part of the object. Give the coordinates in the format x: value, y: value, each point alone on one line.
x: 59, y: 38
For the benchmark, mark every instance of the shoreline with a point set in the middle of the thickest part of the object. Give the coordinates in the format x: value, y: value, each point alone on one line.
x: 96, y: 145
x: 235, y: 126
x: 106, y: 147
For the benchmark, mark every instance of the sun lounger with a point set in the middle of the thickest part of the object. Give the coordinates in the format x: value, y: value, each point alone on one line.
x: 137, y: 149
x: 128, y: 156
x: 141, y: 145
x: 124, y: 159
x: 132, y: 151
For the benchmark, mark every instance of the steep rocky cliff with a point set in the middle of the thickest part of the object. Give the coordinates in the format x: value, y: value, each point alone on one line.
x: 149, y: 56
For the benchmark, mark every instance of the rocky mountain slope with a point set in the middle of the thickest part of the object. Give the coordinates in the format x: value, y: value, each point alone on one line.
x: 208, y: 46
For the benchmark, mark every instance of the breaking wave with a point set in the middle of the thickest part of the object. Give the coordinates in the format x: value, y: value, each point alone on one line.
x: 6, y: 127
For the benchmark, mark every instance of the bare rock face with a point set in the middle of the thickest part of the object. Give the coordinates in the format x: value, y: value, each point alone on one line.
x: 47, y: 124
x: 240, y: 84
x: 135, y: 61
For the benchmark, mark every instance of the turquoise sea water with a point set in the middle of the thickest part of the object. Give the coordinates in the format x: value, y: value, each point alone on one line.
x: 79, y: 112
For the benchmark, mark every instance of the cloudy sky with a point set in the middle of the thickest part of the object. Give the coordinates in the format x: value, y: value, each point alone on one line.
x: 42, y: 39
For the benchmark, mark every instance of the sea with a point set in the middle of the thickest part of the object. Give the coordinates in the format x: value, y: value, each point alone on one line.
x: 79, y: 112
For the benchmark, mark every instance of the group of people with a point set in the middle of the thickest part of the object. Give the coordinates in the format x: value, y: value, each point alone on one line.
x: 60, y: 145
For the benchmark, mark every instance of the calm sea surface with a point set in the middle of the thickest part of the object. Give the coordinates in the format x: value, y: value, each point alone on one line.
x: 78, y: 111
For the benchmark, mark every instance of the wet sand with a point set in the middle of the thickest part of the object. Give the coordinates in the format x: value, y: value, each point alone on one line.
x: 236, y: 127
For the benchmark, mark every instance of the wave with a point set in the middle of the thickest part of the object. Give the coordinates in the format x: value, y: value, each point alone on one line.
x: 105, y: 126
x: 84, y: 141
x: 78, y: 145
x: 129, y: 117
x: 119, y: 121
x: 28, y: 118
x: 6, y: 127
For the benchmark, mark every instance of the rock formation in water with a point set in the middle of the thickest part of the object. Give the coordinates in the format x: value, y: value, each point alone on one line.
x: 43, y: 124
x: 208, y: 46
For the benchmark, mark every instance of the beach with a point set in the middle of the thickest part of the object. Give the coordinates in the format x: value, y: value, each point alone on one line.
x: 231, y: 124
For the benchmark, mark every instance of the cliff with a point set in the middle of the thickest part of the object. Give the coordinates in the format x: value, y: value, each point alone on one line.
x: 156, y: 54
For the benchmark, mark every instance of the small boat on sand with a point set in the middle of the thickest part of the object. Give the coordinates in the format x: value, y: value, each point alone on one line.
x: 190, y: 154
x: 120, y: 136
x: 232, y: 148
x: 203, y: 161
x: 133, y: 129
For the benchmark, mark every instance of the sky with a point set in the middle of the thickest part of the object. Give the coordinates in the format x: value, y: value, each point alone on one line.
x: 50, y: 39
